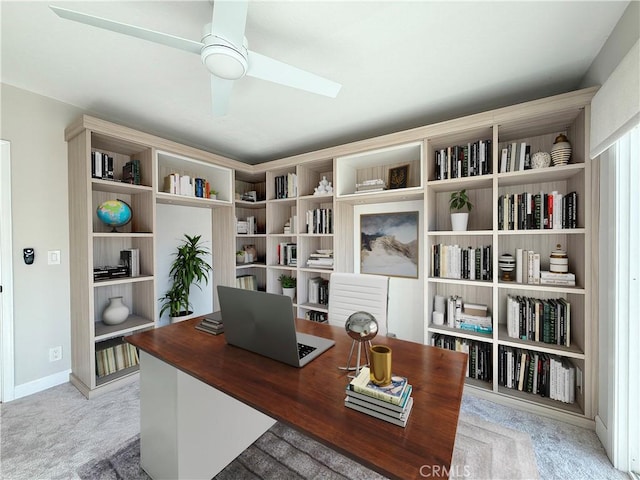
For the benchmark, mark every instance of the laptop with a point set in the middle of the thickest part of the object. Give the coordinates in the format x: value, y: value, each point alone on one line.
x: 263, y: 323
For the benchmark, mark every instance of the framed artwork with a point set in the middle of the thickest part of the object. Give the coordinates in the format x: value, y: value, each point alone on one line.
x: 398, y: 177
x: 389, y: 244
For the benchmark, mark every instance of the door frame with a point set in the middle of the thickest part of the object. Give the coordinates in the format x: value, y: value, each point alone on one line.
x: 6, y: 277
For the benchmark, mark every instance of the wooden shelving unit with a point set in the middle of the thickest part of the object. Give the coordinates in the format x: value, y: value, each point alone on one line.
x: 536, y: 123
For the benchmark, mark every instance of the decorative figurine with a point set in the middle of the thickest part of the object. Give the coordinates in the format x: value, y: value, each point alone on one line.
x: 324, y: 187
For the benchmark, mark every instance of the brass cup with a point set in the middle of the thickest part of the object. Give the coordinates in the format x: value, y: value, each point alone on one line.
x: 380, y: 365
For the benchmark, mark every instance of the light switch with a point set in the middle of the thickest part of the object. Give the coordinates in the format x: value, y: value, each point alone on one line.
x: 54, y: 257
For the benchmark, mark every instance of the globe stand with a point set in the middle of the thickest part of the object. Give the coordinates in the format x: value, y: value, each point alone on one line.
x: 361, y: 327
x: 367, y: 345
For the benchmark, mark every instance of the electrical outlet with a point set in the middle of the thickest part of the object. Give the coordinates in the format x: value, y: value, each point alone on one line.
x: 55, y: 354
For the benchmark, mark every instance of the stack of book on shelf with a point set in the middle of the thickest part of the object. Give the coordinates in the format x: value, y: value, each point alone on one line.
x: 321, y: 259
x: 391, y: 403
x: 538, y: 373
x: 314, y: 316
x: 370, y: 186
x: 115, y: 355
x: 318, y: 290
x: 131, y: 259
x: 247, y: 282
x: 287, y: 253
x: 286, y: 186
x: 468, y: 316
x: 545, y: 320
x: 561, y: 279
x: 247, y: 227
x: 211, y: 324
x: 101, y: 166
x: 186, y: 185
x: 131, y: 172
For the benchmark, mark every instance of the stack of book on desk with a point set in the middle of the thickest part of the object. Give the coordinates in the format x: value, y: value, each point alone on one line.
x: 211, y: 324
x: 390, y: 403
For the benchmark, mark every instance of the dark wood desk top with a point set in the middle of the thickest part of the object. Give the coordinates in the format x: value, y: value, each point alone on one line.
x: 311, y: 399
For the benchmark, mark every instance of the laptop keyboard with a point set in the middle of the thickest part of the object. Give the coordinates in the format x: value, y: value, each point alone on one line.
x: 304, y: 350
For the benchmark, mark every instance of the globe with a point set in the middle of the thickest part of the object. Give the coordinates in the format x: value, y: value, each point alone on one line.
x: 114, y: 213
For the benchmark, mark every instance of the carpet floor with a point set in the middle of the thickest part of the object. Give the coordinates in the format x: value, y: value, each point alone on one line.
x: 483, y: 450
x: 58, y: 434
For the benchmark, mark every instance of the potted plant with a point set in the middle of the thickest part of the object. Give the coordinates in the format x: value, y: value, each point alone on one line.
x: 288, y: 284
x: 458, y: 202
x: 213, y: 194
x: 241, y: 256
x: 188, y: 268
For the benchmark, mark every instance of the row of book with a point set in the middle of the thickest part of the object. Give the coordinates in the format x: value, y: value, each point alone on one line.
x: 286, y: 186
x: 453, y: 261
x: 537, y: 373
x: 102, y: 166
x: 287, y: 253
x: 540, y: 320
x: 315, y: 316
x: 247, y: 227
x: 374, y: 185
x: 536, y: 211
x: 319, y: 220
x: 467, y: 316
x: 247, y: 282
x: 391, y: 403
x: 318, y: 290
x: 321, y: 259
x: 131, y: 172
x: 211, y: 324
x: 479, y: 360
x: 470, y: 160
x: 515, y: 156
x: 130, y: 257
x: 186, y: 185
x: 115, y: 355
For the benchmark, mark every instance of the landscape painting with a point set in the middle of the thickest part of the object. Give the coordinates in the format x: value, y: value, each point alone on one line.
x: 389, y: 244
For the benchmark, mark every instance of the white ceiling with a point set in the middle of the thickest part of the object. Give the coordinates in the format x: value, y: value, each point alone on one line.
x: 401, y: 64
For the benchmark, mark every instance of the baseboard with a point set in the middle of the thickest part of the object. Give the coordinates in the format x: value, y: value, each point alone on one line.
x: 41, y: 384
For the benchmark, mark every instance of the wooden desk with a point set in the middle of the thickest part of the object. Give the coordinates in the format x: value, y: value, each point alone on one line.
x: 310, y: 399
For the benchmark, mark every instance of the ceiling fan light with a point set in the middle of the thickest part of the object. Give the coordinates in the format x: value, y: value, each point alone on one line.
x: 224, y: 62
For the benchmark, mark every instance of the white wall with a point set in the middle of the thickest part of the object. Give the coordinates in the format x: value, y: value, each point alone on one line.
x: 35, y: 127
x: 406, y: 295
x: 172, y: 222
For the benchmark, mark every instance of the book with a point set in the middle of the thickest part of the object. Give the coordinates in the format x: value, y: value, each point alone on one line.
x: 202, y: 326
x: 381, y: 409
x: 391, y: 393
x: 386, y: 406
x: 401, y: 421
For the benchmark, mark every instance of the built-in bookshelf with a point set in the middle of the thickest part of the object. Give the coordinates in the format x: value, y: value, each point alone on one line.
x: 504, y: 218
x: 275, y: 207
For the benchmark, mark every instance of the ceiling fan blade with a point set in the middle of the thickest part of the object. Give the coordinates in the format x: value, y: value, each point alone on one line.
x: 132, y: 30
x: 229, y: 20
x: 220, y: 95
x: 266, y: 68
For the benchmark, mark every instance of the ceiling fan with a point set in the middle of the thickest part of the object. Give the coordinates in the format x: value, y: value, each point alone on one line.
x: 223, y: 50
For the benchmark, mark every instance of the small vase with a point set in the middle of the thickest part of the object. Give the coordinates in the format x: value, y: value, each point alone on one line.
x: 289, y: 292
x: 459, y: 221
x: 561, y: 151
x: 116, y: 312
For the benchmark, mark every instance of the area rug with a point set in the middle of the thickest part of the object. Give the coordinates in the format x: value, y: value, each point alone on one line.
x: 482, y: 451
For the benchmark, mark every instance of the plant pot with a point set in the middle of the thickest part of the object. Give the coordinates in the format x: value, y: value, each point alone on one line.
x: 289, y: 292
x: 459, y: 221
x: 182, y: 317
x: 116, y: 312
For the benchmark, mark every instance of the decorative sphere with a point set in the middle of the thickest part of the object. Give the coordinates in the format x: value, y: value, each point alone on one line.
x: 361, y: 326
x: 114, y: 213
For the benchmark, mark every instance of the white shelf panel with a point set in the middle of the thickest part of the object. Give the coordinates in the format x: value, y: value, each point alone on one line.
x: 466, y: 233
x: 122, y: 281
x: 457, y: 332
x: 455, y: 281
x: 467, y: 183
x: 550, y: 174
x: 112, y: 186
x: 544, y: 231
x: 541, y: 288
x: 172, y: 199
x: 506, y: 340
x: 131, y: 324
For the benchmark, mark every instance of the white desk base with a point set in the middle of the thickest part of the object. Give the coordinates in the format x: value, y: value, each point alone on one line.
x: 187, y: 428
